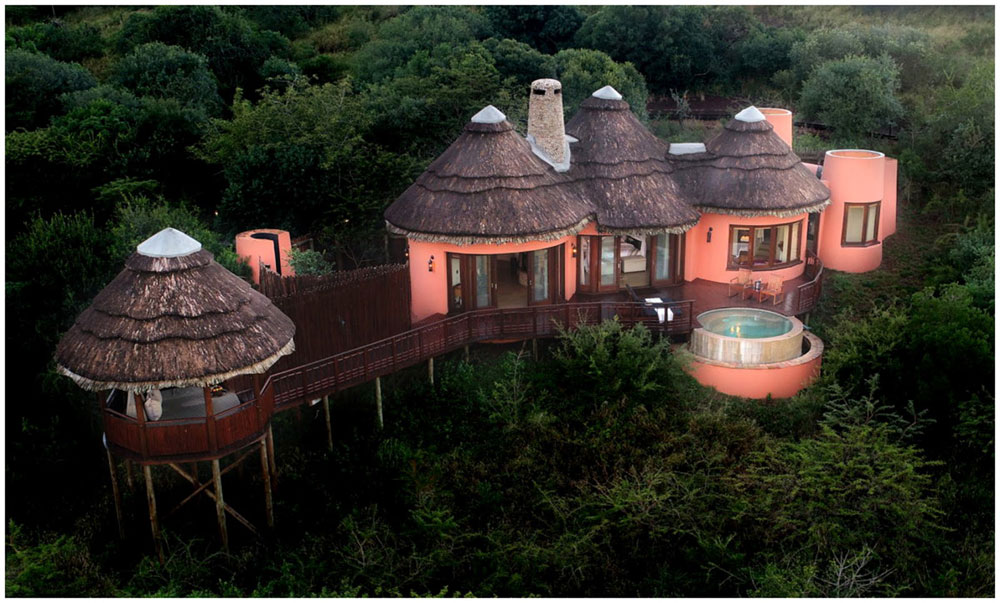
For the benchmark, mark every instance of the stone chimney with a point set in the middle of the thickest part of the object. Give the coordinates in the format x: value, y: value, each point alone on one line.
x: 546, y: 131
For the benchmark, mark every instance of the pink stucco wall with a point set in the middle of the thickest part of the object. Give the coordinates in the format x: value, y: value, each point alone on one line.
x: 708, y: 260
x: 781, y: 120
x: 429, y: 289
x: 887, y: 225
x: 779, y: 379
x: 853, y: 176
x: 257, y: 250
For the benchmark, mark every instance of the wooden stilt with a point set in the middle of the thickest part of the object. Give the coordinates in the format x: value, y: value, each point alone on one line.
x: 465, y: 353
x: 265, y: 473
x: 378, y: 399
x: 154, y: 523
x: 329, y: 428
x: 430, y: 370
x: 194, y: 472
x: 220, y: 505
x: 128, y: 474
x: 534, y: 349
x: 117, y: 495
x: 270, y: 455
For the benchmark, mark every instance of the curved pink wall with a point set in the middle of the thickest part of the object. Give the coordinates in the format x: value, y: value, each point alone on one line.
x: 708, y: 260
x: 429, y: 290
x: 779, y: 379
x: 255, y: 251
x: 853, y: 176
x: 887, y: 223
x: 781, y: 120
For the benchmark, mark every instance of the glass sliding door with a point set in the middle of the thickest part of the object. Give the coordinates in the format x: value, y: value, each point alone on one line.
x: 456, y: 300
x: 540, y: 286
x: 609, y: 263
x: 666, y: 259
x: 484, y: 281
x: 584, y: 262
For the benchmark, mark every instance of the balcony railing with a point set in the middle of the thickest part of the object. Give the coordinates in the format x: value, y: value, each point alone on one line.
x: 190, y: 439
x: 809, y: 292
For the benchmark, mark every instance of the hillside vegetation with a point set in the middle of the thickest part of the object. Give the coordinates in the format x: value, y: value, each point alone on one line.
x: 599, y: 469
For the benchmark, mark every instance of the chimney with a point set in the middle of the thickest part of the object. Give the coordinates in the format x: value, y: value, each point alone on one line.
x: 781, y: 120
x: 546, y: 131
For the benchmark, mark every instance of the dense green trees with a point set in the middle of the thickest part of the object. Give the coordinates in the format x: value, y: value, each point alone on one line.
x: 600, y: 469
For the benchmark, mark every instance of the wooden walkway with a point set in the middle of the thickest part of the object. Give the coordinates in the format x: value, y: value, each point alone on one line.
x: 442, y: 334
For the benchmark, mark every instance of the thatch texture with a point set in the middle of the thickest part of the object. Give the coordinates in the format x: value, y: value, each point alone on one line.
x: 623, y: 172
x: 488, y: 187
x: 173, y: 322
x: 748, y: 170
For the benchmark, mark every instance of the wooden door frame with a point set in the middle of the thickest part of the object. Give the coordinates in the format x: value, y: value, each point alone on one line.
x: 676, y: 244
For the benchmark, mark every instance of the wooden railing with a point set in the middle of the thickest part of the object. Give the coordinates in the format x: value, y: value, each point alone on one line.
x: 810, y: 291
x: 323, y: 377
x: 191, y: 439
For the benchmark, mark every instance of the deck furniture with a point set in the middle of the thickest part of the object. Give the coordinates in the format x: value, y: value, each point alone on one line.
x: 739, y: 283
x: 772, y: 287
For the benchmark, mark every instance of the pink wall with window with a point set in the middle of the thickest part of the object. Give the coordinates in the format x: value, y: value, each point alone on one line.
x: 429, y: 289
x: 855, y: 178
x: 710, y: 260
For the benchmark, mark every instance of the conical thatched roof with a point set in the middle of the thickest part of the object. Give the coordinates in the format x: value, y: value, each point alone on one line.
x: 622, y: 168
x: 488, y: 187
x: 748, y: 170
x: 173, y: 318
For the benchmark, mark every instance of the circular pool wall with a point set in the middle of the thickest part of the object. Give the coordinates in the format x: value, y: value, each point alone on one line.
x: 746, y: 336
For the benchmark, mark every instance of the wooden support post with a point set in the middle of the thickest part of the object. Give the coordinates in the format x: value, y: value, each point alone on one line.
x: 194, y: 472
x: 265, y: 473
x: 117, y: 495
x: 430, y: 370
x: 220, y: 504
x: 534, y: 348
x: 378, y: 400
x: 270, y: 454
x: 128, y: 474
x: 154, y: 523
x: 329, y: 428
x: 465, y: 351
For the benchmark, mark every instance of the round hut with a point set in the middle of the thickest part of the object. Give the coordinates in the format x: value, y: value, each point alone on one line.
x: 622, y: 168
x: 755, y: 196
x: 167, y: 339
x: 489, y: 223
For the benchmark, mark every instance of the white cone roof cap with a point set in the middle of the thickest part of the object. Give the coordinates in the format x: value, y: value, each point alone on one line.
x: 489, y: 115
x: 750, y: 114
x: 607, y: 93
x: 168, y: 243
x: 686, y: 148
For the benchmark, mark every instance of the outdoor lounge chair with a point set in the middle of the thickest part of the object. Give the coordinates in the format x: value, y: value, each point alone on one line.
x: 772, y: 287
x: 742, y: 280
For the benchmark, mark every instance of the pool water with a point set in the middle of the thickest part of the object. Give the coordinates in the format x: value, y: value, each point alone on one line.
x: 745, y: 323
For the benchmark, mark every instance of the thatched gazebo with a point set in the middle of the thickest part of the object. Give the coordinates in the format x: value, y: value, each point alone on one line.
x: 170, y: 329
x: 747, y: 170
x: 623, y: 169
x: 489, y: 187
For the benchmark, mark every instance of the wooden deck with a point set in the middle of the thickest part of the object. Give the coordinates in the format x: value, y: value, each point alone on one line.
x: 439, y: 334
x: 708, y: 295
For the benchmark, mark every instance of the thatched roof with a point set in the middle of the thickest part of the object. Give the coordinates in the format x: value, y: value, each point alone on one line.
x: 488, y: 187
x: 622, y: 168
x: 173, y: 318
x: 748, y: 170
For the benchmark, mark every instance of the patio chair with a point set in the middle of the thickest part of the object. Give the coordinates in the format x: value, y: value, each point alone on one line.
x: 772, y: 287
x: 741, y: 281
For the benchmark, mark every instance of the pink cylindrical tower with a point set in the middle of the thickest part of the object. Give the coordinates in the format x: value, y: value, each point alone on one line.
x: 850, y: 232
x: 266, y: 245
x: 781, y: 121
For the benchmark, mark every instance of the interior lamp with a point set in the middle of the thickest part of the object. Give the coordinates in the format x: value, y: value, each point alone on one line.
x: 573, y: 250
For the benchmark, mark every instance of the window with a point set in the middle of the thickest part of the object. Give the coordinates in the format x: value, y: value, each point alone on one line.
x: 860, y: 224
x: 764, y: 247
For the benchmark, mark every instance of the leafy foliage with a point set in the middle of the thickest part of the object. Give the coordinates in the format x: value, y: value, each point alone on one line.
x: 34, y: 83
x: 856, y: 95
x: 584, y: 71
x: 162, y: 71
x: 547, y: 29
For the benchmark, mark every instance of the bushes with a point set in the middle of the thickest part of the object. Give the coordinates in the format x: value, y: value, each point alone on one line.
x: 34, y: 83
x: 855, y: 95
x: 162, y: 71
